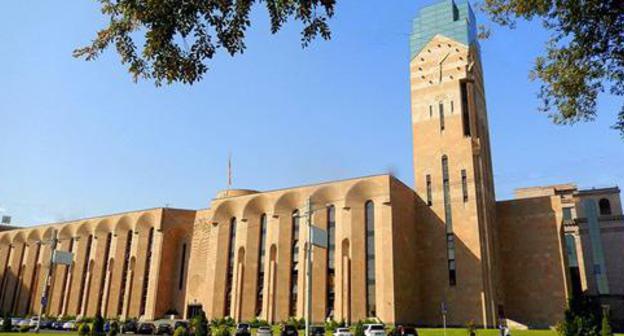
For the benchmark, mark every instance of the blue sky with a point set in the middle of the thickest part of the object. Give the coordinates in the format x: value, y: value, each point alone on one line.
x: 81, y: 139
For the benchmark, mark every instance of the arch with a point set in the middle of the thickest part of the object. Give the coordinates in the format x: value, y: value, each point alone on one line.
x: 5, y: 238
x: 19, y: 237
x: 144, y: 222
x: 33, y: 236
x: 66, y: 231
x: 362, y: 191
x: 122, y: 225
x: 287, y: 202
x: 325, y: 194
x: 256, y: 206
x: 104, y: 226
x: 605, y: 207
x: 84, y: 229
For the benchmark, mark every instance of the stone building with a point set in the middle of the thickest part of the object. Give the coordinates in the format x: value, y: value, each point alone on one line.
x: 395, y: 253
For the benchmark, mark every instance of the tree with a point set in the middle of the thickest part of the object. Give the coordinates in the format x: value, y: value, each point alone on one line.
x: 199, y: 324
x: 180, y: 36
x: 581, y: 318
x: 606, y: 327
x: 584, y: 55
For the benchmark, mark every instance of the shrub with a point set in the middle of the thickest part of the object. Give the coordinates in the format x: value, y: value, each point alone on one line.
x: 199, y: 324
x: 606, y: 327
x: 331, y: 325
x: 359, y: 329
x: 98, y: 325
x: 114, y: 328
x: 180, y: 331
x: 24, y: 328
x: 471, y: 328
x: 7, y: 324
x: 581, y: 317
x: 223, y: 330
x: 83, y: 329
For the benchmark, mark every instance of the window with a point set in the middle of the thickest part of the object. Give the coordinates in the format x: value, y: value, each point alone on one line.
x: 230, y: 267
x: 450, y: 238
x: 35, y: 277
x: 331, y: 249
x: 567, y: 214
x: 605, y: 206
x: 294, y: 275
x: 430, y: 111
x: 452, y: 107
x: 465, y: 111
x: 464, y: 181
x: 261, y: 257
x: 85, y: 265
x: 146, y: 272
x: 65, y: 278
x: 109, y: 238
x: 182, y: 266
x: 429, y: 197
x: 124, y: 275
x: 441, y: 108
x: 369, y: 219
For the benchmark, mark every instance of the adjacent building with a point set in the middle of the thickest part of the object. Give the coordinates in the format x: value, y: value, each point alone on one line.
x: 396, y: 253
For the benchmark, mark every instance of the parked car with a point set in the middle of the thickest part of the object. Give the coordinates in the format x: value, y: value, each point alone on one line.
x: 57, y: 325
x: 129, y: 326
x: 146, y: 329
x: 164, y: 329
x: 34, y: 321
x: 70, y: 325
x: 288, y: 330
x: 403, y: 331
x: 264, y: 331
x: 343, y: 332
x: 243, y: 329
x: 317, y: 330
x: 374, y: 329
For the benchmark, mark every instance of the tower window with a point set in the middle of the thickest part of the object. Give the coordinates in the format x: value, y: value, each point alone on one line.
x: 430, y: 111
x: 465, y: 111
x: 369, y: 219
x: 230, y: 268
x: 450, y: 237
x: 441, y: 107
x: 294, y: 275
x: 450, y: 243
x: 429, y: 198
x: 452, y: 107
x: 261, y: 256
x: 605, y: 206
x: 464, y: 185
x: 331, y: 248
x: 182, y: 265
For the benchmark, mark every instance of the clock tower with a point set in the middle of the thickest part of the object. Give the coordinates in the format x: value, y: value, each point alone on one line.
x: 452, y: 166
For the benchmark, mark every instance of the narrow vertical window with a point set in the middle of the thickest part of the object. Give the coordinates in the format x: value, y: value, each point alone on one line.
x: 65, y: 283
x: 464, y: 181
x: 429, y: 197
x: 295, y: 267
x: 261, y: 257
x: 124, y: 273
x: 430, y: 111
x: 146, y: 272
x: 34, y: 277
x: 182, y: 267
x: 441, y: 107
x: 109, y: 238
x: 331, y: 250
x: 85, y: 270
x: 369, y: 219
x: 450, y: 238
x: 465, y: 109
x: 452, y: 107
x: 230, y: 267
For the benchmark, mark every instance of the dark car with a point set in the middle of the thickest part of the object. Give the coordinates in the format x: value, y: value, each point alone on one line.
x: 129, y: 326
x: 243, y: 329
x: 317, y: 331
x: 45, y: 324
x: 403, y: 331
x: 288, y: 330
x: 164, y: 329
x: 146, y: 329
x: 57, y: 325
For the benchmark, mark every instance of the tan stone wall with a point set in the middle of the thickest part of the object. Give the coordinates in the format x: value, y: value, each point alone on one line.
x: 534, y: 269
x: 79, y: 290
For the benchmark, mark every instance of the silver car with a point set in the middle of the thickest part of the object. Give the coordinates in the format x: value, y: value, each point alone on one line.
x: 264, y: 331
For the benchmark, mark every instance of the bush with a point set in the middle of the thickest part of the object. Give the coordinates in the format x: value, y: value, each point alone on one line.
x: 606, y: 327
x: 180, y: 331
x: 114, y: 328
x: 471, y: 328
x: 256, y: 323
x: 98, y: 325
x: 83, y: 329
x: 199, y: 324
x: 7, y: 324
x: 222, y: 330
x: 581, y: 318
x: 331, y: 325
x: 359, y: 329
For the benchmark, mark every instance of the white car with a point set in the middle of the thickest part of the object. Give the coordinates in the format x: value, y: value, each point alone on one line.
x: 23, y: 323
x: 264, y: 331
x: 374, y: 330
x: 69, y: 325
x: 343, y: 332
